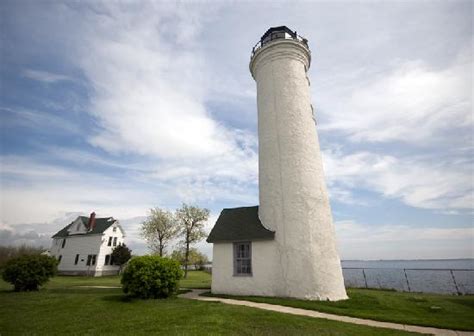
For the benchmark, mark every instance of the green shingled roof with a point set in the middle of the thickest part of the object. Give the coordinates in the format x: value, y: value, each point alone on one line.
x: 101, y: 224
x: 239, y: 224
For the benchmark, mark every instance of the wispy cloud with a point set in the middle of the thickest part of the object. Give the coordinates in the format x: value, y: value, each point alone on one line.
x: 45, y: 76
x: 424, y: 182
x: 37, y: 120
x: 414, y: 103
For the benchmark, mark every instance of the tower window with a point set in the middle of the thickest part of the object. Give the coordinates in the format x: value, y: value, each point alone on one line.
x: 243, y: 259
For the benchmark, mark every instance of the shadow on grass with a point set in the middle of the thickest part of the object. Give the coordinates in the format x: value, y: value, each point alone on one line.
x: 128, y: 298
x: 120, y: 298
x: 82, y: 291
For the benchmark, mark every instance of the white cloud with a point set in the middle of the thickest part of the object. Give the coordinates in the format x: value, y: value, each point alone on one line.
x: 430, y: 183
x: 414, y: 103
x: 150, y: 82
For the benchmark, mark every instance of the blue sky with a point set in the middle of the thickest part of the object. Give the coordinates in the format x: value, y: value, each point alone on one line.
x: 116, y: 107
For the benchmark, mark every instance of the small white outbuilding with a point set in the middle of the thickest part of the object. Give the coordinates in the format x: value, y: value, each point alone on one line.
x: 84, y: 246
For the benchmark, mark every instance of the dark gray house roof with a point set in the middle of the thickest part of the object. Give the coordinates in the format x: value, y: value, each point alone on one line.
x: 101, y: 224
x: 239, y: 224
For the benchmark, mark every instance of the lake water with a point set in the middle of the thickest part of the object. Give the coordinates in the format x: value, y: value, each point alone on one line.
x: 447, y: 276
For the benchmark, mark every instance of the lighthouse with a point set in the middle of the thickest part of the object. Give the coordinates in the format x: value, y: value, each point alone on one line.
x: 286, y: 246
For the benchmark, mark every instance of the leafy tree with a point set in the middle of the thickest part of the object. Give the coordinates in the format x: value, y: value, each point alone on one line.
x: 196, y: 258
x: 178, y: 255
x: 151, y: 277
x: 10, y: 252
x: 191, y: 220
x: 120, y: 255
x: 28, y: 272
x: 159, y: 229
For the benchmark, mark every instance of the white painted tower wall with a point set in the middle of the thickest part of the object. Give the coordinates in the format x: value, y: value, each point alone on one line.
x: 293, y: 198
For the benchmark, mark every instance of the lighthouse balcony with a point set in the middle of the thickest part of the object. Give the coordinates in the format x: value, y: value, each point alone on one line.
x: 278, y: 33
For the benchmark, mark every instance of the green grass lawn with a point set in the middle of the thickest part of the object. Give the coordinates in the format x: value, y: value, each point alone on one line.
x: 442, y: 311
x: 63, y: 308
x: 196, y: 279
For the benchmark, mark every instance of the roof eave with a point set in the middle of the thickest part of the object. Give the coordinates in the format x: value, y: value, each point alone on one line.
x: 212, y: 241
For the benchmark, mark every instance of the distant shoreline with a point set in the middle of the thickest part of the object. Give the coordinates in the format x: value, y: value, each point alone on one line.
x: 370, y: 260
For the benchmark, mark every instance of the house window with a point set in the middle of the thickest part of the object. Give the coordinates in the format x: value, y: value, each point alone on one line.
x: 59, y: 259
x: 107, y: 259
x: 64, y: 243
x: 77, y: 259
x: 115, y: 229
x: 91, y: 259
x: 115, y: 241
x: 110, y: 241
x: 243, y: 259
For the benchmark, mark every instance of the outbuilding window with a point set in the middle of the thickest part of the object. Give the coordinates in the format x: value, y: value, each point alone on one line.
x: 243, y: 259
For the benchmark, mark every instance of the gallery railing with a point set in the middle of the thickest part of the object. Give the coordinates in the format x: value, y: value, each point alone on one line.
x: 427, y: 280
x: 279, y: 36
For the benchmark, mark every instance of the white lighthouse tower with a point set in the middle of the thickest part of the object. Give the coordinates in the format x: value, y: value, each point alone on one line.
x: 293, y: 198
x: 285, y: 246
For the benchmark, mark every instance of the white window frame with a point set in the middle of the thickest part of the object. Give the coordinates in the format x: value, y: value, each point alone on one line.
x: 239, y: 268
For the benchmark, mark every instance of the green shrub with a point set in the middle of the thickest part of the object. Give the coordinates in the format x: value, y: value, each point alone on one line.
x: 28, y: 272
x: 151, y: 277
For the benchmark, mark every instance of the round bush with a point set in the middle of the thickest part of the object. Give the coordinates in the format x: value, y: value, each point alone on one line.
x: 28, y: 272
x: 151, y: 277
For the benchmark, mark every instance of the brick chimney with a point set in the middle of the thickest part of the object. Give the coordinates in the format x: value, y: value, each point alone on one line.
x: 91, y: 224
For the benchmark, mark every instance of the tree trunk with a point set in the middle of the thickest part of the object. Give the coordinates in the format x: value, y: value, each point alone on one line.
x: 186, y: 259
x: 161, y: 247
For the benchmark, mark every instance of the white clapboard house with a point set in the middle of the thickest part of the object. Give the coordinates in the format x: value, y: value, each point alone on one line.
x: 84, y: 247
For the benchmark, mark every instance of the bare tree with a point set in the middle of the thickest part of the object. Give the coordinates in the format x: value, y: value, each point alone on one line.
x: 159, y: 229
x: 191, y: 220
